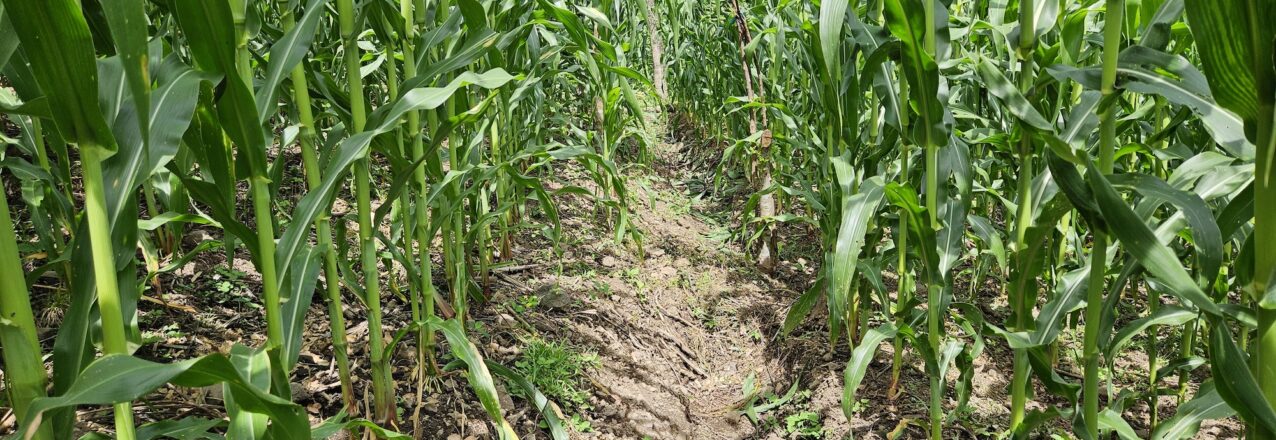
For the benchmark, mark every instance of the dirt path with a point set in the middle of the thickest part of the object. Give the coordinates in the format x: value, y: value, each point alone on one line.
x: 679, y: 332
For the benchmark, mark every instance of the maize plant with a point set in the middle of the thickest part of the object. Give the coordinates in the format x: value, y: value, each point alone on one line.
x: 1079, y: 156
x: 137, y: 121
x: 1083, y: 191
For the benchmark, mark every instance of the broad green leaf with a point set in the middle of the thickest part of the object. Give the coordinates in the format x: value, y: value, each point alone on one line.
x: 1070, y: 296
x: 832, y: 18
x: 1233, y: 379
x: 858, y: 365
x: 906, y: 22
x: 1206, y: 405
x: 303, y: 273
x: 548, y: 409
x: 1206, y: 236
x: 190, y: 428
x: 285, y: 54
x: 254, y: 366
x: 857, y: 210
x: 1166, y: 315
x: 999, y: 86
x: 8, y: 38
x: 356, y: 147
x: 1110, y: 420
x: 991, y: 238
x: 120, y: 378
x: 1225, y: 36
x: 478, y: 375
x: 1157, y: 29
x: 56, y: 39
x: 128, y: 23
x: 335, y: 424
x: 1139, y: 240
x: 802, y: 307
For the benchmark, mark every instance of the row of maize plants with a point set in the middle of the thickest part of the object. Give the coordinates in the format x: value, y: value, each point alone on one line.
x: 1105, y: 166
x: 443, y: 121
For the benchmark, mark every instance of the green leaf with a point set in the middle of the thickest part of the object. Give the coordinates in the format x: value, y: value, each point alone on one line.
x: 1224, y: 34
x: 128, y: 23
x: 918, y: 224
x: 1110, y: 420
x: 857, y: 366
x: 303, y: 273
x: 56, y: 40
x: 857, y: 210
x: 549, y: 410
x: 1070, y: 296
x: 1013, y: 100
x: 210, y: 31
x: 1206, y: 405
x: 356, y: 147
x: 1166, y: 315
x: 1190, y: 90
x: 479, y: 377
x: 906, y: 22
x: 832, y: 18
x: 991, y: 238
x: 802, y: 307
x: 285, y: 54
x: 1232, y: 376
x: 331, y: 426
x: 189, y: 428
x: 254, y: 366
x: 121, y: 378
x: 1139, y: 241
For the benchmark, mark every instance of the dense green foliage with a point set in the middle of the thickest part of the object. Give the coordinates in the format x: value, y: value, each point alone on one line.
x: 446, y: 115
x: 1065, y: 158
x: 1074, y: 155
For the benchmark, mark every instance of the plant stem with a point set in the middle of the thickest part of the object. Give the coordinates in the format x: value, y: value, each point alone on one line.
x: 108, y: 293
x: 904, y: 292
x: 24, y: 367
x: 1112, y: 23
x: 1264, y: 345
x: 423, y: 307
x: 934, y: 295
x: 260, y: 186
x: 934, y: 292
x: 266, y: 241
x: 1023, y: 215
x: 323, y: 227
x: 383, y: 402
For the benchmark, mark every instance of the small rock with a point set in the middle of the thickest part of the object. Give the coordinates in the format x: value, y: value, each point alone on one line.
x: 196, y: 237
x: 656, y: 252
x: 506, y: 400
x: 681, y: 262
x: 608, y: 261
x: 477, y: 428
x: 299, y: 391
